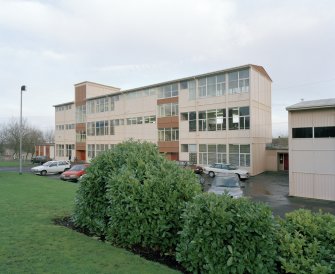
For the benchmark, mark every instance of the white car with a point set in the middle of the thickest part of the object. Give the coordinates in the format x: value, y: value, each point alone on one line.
x: 216, y: 168
x: 226, y: 184
x: 51, y: 167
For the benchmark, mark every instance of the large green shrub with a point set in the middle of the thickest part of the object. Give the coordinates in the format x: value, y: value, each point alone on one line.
x: 307, y: 242
x: 135, y: 196
x: 225, y: 235
x: 148, y: 212
x: 91, y: 202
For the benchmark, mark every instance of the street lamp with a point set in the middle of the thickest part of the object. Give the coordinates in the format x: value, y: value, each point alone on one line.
x: 23, y: 88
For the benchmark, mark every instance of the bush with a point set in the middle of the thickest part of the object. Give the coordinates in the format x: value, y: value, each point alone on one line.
x: 225, y: 235
x: 307, y: 242
x: 91, y: 202
x: 135, y: 196
x: 148, y: 213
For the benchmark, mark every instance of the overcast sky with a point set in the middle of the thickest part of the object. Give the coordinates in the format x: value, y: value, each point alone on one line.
x: 51, y: 45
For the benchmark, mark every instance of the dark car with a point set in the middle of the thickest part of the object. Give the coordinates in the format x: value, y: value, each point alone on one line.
x: 40, y: 159
x: 188, y: 165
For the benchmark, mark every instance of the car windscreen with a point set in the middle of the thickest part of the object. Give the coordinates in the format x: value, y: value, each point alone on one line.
x: 77, y: 168
x: 226, y: 182
x: 230, y: 167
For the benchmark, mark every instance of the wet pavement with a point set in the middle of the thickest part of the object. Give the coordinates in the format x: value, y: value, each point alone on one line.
x: 272, y: 188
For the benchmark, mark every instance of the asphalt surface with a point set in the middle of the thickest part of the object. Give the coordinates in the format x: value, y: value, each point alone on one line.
x: 272, y: 188
x: 269, y: 187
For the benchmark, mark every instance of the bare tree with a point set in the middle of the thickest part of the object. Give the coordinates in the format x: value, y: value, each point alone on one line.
x: 10, y: 136
x: 49, y: 136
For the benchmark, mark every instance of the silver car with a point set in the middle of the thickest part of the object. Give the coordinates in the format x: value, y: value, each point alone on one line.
x: 51, y: 167
x: 226, y: 184
x: 221, y: 168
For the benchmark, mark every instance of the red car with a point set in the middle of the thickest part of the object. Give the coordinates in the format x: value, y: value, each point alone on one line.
x: 74, y: 173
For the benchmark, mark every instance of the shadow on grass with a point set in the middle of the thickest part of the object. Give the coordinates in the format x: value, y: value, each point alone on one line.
x: 146, y: 253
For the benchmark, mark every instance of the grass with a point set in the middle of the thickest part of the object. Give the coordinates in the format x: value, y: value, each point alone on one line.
x: 31, y: 243
x: 15, y: 163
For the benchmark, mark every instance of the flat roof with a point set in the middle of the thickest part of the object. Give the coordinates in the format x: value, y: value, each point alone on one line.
x: 63, y: 104
x: 315, y: 104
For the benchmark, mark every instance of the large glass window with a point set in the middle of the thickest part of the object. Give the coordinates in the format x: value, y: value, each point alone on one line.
x: 68, y: 150
x: 81, y: 114
x: 212, y: 120
x: 302, y: 132
x: 192, y: 121
x: 81, y: 136
x: 166, y: 110
x: 238, y: 81
x: 101, y: 128
x: 150, y: 119
x: 192, y: 90
x: 212, y: 86
x: 239, y: 118
x: 168, y: 134
x: 239, y: 155
x: 324, y: 132
x: 212, y: 153
x: 91, y: 151
x: 90, y: 128
x: 60, y: 150
x: 168, y: 91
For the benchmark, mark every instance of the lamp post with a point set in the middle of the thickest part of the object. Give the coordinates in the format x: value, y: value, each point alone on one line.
x: 23, y: 88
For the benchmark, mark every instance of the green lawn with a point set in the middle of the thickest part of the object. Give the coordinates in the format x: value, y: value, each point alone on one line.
x: 31, y: 243
x: 15, y: 163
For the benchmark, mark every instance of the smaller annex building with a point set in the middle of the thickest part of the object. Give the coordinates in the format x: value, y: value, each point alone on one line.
x: 312, y: 149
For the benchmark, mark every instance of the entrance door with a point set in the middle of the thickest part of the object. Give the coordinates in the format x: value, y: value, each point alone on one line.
x: 286, y: 164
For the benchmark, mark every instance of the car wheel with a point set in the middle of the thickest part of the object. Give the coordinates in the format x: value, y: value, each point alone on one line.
x: 211, y: 174
x: 43, y: 172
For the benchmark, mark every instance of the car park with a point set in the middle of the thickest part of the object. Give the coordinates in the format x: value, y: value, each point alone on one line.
x: 51, y: 167
x: 74, y: 173
x: 40, y: 159
x: 188, y: 165
x: 226, y: 184
x: 218, y: 168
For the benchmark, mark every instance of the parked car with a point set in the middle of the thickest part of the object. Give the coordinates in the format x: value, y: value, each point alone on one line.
x: 74, y: 173
x: 216, y: 168
x: 188, y: 165
x: 226, y: 184
x: 51, y: 167
x: 40, y: 159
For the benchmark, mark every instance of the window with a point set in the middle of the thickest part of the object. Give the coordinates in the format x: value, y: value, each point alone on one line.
x: 239, y: 118
x: 90, y: 151
x: 168, y: 134
x: 238, y: 81
x: 191, y: 90
x: 239, y: 155
x: 81, y: 114
x: 192, y: 121
x: 99, y: 148
x: 212, y: 86
x: 166, y: 110
x: 183, y: 85
x: 212, y: 153
x: 60, y: 150
x: 150, y: 119
x: 168, y: 91
x: 102, y: 104
x: 212, y: 120
x: 302, y: 132
x: 91, y: 129
x: 324, y: 132
x: 184, y: 116
x: 101, y: 128
x: 81, y: 136
x: 68, y: 150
